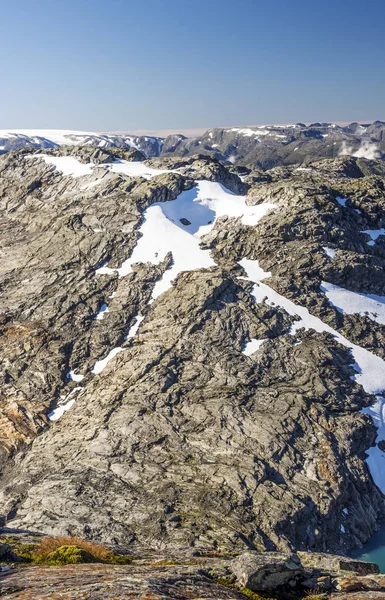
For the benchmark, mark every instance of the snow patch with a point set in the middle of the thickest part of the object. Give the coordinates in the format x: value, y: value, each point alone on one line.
x: 67, y: 165
x: 330, y: 252
x: 74, y: 377
x: 252, y: 346
x: 135, y: 169
x: 135, y: 327
x: 351, y: 303
x: 100, y: 365
x: 163, y: 230
x: 370, y: 368
x: 103, y: 310
x: 64, y: 404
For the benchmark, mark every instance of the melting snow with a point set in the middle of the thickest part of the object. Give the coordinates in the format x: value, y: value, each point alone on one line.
x: 68, y: 165
x: 370, y: 368
x: 376, y: 457
x: 135, y: 169
x: 348, y: 302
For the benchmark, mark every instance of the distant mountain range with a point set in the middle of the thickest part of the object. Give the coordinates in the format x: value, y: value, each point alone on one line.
x: 264, y: 146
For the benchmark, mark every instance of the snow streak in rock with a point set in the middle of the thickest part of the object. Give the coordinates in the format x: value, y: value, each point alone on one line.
x: 369, y: 367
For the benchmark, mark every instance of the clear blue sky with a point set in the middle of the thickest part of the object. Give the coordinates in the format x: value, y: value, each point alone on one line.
x: 157, y: 64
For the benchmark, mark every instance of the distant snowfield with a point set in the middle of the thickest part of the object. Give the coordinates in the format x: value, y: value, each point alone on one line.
x: 258, y: 132
x: 70, y: 166
x: 58, y: 136
x: 369, y: 367
x: 52, y: 138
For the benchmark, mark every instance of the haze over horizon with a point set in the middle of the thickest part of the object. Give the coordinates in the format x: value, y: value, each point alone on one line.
x: 183, y: 65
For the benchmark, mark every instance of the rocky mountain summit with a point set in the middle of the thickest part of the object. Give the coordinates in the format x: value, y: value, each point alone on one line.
x: 192, y: 353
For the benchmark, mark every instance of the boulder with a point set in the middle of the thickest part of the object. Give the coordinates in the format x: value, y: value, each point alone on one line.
x: 266, y: 571
x: 355, y: 583
x: 327, y: 563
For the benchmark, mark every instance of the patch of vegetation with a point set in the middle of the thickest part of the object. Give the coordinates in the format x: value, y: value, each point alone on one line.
x: 65, y: 550
x: 253, y: 595
x: 66, y: 555
x: 22, y: 550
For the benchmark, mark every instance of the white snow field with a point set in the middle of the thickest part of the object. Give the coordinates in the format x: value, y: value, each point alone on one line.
x: 369, y: 367
x: 70, y: 166
x: 163, y: 230
x: 57, y: 136
x: 351, y: 303
x: 67, y: 165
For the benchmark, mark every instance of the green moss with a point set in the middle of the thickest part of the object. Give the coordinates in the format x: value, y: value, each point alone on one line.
x: 117, y: 559
x: 67, y: 555
x: 23, y: 551
x: 70, y: 554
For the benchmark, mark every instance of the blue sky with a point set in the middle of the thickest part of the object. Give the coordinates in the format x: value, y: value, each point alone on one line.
x: 173, y: 64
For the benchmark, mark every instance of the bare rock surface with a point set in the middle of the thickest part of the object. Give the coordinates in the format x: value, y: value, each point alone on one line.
x: 184, y: 439
x: 102, y: 582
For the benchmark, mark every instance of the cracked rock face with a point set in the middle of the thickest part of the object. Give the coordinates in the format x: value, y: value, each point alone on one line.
x: 175, y: 431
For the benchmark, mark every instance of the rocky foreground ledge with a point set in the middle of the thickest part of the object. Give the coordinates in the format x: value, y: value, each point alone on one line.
x: 199, y: 576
